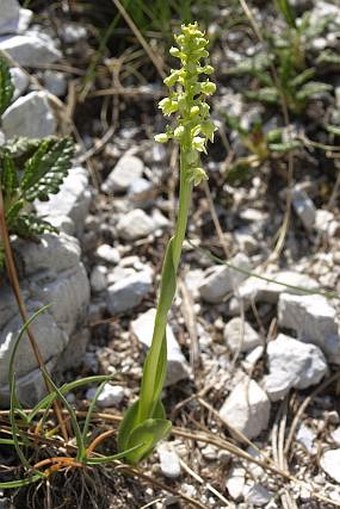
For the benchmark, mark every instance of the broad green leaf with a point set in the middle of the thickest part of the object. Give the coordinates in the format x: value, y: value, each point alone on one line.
x: 130, y: 422
x: 6, y: 86
x: 146, y: 436
x: 154, y: 371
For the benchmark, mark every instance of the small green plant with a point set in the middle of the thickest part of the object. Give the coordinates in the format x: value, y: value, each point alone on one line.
x: 290, y: 52
x: 262, y: 146
x: 29, y: 170
x: 144, y: 423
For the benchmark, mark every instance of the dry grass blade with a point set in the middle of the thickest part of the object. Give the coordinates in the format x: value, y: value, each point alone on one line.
x: 303, y: 407
x: 208, y: 486
x: 278, y: 436
x: 215, y: 219
x: 153, y: 57
x: 137, y: 472
x: 191, y: 324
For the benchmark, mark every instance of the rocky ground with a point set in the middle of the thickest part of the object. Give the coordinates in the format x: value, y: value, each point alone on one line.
x: 253, y: 337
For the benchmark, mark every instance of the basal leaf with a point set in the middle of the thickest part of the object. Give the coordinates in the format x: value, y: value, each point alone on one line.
x: 147, y: 435
x: 130, y: 422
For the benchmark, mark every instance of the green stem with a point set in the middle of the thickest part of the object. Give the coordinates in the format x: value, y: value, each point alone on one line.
x: 151, y: 383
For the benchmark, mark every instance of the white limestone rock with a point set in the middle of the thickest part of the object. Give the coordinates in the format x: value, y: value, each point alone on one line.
x: 193, y: 280
x: 236, y: 482
x: 128, y: 293
x: 247, y: 409
x: 323, y: 219
x: 246, y: 241
x: 55, y: 82
x: 111, y: 395
x: 292, y: 364
x: 30, y: 49
x: 138, y: 188
x: 29, y: 116
x: 221, y: 279
x: 71, y: 33
x: 169, y: 460
x: 330, y: 463
x: 306, y: 436
x: 13, y: 18
x: 73, y: 201
x: 98, y: 278
x: 108, y: 254
x: 128, y: 169
x: 135, y: 225
x: 142, y: 328
x: 20, y: 81
x: 257, y: 495
x: 304, y: 208
x: 51, y: 273
x: 240, y: 336
x: 313, y: 318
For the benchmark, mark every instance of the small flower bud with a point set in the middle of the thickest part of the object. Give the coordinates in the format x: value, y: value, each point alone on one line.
x: 173, y: 78
x: 198, y: 143
x: 194, y: 111
x: 197, y: 175
x: 178, y: 132
x: 168, y: 106
x: 208, y: 88
x: 175, y: 52
x: 161, y: 138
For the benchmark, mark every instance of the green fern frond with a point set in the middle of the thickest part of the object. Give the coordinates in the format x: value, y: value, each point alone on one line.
x: 266, y: 94
x: 311, y: 89
x: 31, y: 226
x: 6, y: 86
x: 45, y: 171
x: 12, y: 212
x: 21, y: 146
x: 328, y: 57
x: 302, y: 77
x: 8, y: 176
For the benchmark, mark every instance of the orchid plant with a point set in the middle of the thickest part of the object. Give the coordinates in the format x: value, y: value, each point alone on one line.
x: 145, y: 423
